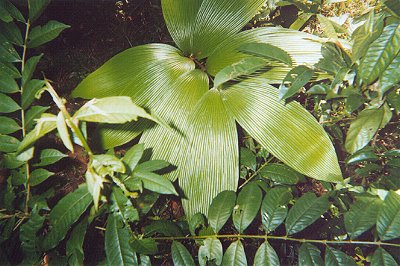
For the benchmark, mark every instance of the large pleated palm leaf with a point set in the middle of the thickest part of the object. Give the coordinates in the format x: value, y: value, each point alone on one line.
x: 202, y: 140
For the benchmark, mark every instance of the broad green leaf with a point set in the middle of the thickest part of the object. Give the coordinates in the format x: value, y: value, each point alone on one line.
x: 50, y: 156
x: 304, y: 49
x: 45, y: 124
x: 28, y: 232
x: 197, y: 27
x: 274, y: 208
x: 94, y: 183
x: 118, y: 249
x: 133, y: 155
x: 11, y: 32
x: 382, y: 258
x: 66, y: 212
x: 113, y: 110
x: 334, y: 257
x: 390, y: 76
x: 248, y: 158
x: 156, y: 183
x: 63, y: 132
x: 380, y: 54
x: 210, y: 251
x: 42, y: 34
x: 151, y: 166
x: 147, y: 246
x: 364, y: 127
x: 221, y: 209
x: 8, y: 125
x: 310, y: 255
x: 266, y: 50
x: 280, y: 173
x: 7, y: 105
x: 10, y: 161
x: 196, y: 222
x: 29, y: 68
x: 8, y: 54
x: 288, y: 131
x: 4, y: 14
x: 165, y: 228
x: 235, y: 255
x: 362, y: 216
x: 334, y: 59
x: 305, y: 211
x: 294, y: 81
x: 388, y: 222
x: 207, y: 168
x: 394, y: 6
x: 36, y: 8
x: 243, y: 68
x: 30, y: 91
x: 122, y: 205
x: 266, y: 256
x: 74, y: 247
x: 39, y: 175
x: 9, y: 70
x: 11, y: 10
x: 180, y: 255
x: 247, y: 206
x: 8, y: 143
x: 366, y: 154
x: 8, y: 84
x: 327, y: 27
x: 33, y: 113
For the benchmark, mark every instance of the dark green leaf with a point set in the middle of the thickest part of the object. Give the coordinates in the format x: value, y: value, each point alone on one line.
x: 29, y: 68
x: 39, y: 175
x: 180, y: 255
x: 145, y: 246
x: 248, y: 158
x: 133, y: 155
x: 9, y: 69
x: 247, y: 206
x: 310, y: 255
x: 266, y: 256
x: 280, y: 173
x: 8, y: 54
x: 8, y: 125
x: 151, y: 166
x: 334, y: 257
x: 66, y: 212
x: 11, y: 32
x: 33, y: 113
x: 305, y: 211
x: 8, y: 84
x: 394, y: 6
x: 50, y: 156
x: 8, y: 143
x: 210, y: 251
x: 156, y: 183
x: 36, y: 8
x: 235, y: 255
x: 382, y: 258
x: 4, y: 14
x: 42, y: 34
x: 274, y: 208
x: 11, y: 10
x: 366, y: 154
x: 7, y: 105
x: 122, y: 205
x: 74, y: 247
x: 268, y: 51
x: 390, y: 76
x: 294, y: 81
x: 395, y: 153
x: 165, y: 228
x: 28, y: 232
x: 118, y: 249
x: 221, y: 209
x: 388, y: 222
x: 30, y: 91
x: 196, y: 222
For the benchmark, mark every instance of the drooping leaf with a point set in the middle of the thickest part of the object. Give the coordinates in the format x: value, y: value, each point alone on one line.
x: 267, y: 51
x: 30, y: 91
x: 118, y: 249
x: 221, y: 209
x: 63, y: 132
x: 66, y: 212
x: 266, y: 256
x: 210, y: 251
x: 305, y: 211
x: 235, y: 255
x: 310, y: 255
x: 74, y: 247
x: 274, y: 208
x: 8, y: 84
x: 380, y: 54
x: 296, y: 78
x: 382, y: 258
x: 197, y: 27
x: 156, y: 183
x: 334, y: 257
x: 29, y: 68
x: 180, y: 255
x: 280, y: 173
x: 8, y: 143
x: 50, y: 156
x: 36, y: 8
x: 388, y: 221
x: 133, y: 155
x: 39, y: 175
x: 390, y: 76
x: 42, y: 34
x: 247, y: 206
x: 362, y: 216
x: 8, y: 125
x: 244, y: 67
x: 7, y: 105
x: 288, y: 131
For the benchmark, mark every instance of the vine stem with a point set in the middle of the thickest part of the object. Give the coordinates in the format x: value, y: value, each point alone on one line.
x: 283, y: 238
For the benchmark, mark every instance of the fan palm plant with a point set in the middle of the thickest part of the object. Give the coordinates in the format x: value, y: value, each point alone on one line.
x: 177, y: 85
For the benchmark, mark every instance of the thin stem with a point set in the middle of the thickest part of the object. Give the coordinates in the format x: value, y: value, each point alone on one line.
x: 256, y: 172
x: 283, y: 238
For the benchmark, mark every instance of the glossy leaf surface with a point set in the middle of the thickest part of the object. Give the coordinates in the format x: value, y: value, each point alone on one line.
x: 42, y: 34
x: 382, y: 258
x: 274, y: 208
x: 221, y: 209
x: 388, y: 222
x: 211, y: 250
x: 235, y: 255
x: 310, y: 255
x: 266, y: 256
x: 334, y: 257
x: 180, y: 255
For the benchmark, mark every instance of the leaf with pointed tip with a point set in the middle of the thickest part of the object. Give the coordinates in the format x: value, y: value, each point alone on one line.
x: 63, y: 132
x: 296, y: 78
x: 327, y: 27
x: 36, y: 8
x: 288, y: 131
x: 33, y: 113
x: 180, y: 255
x: 29, y: 68
x: 235, y: 255
x: 305, y: 211
x: 39, y: 175
x: 211, y: 251
x: 8, y: 125
x: 9, y: 69
x: 266, y: 50
x: 266, y: 256
x: 198, y: 27
x: 391, y: 75
x: 280, y: 173
x: 11, y: 32
x: 8, y: 84
x: 42, y: 34
x: 388, y: 222
x: 274, y: 208
x: 334, y: 257
x: 29, y: 93
x: 133, y: 155
x: 310, y: 255
x: 7, y: 105
x: 74, y: 247
x: 382, y: 258
x: 8, y: 144
x: 156, y: 183
x: 152, y: 166
x: 50, y: 156
x: 221, y: 209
